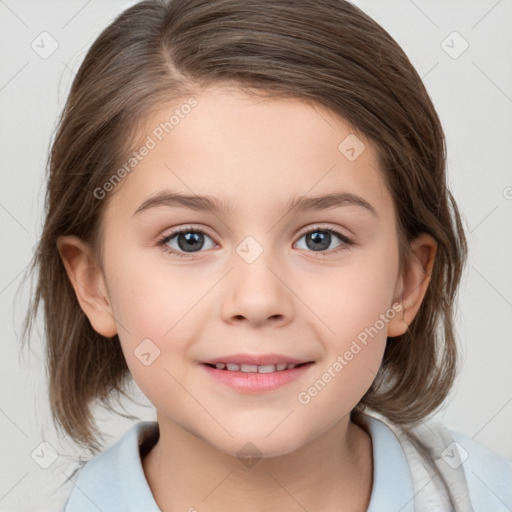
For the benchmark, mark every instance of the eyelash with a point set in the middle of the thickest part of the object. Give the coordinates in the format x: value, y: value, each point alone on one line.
x: 347, y: 242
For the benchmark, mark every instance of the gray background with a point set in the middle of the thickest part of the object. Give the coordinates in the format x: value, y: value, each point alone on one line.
x: 472, y: 92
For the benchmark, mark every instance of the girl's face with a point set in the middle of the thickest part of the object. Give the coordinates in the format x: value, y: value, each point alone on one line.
x: 252, y: 276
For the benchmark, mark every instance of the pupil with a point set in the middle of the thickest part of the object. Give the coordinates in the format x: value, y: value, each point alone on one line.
x: 193, y: 240
x: 318, y: 240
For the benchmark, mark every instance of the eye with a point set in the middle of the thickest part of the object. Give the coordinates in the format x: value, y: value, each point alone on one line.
x: 184, y: 242
x: 188, y: 240
x: 319, y: 239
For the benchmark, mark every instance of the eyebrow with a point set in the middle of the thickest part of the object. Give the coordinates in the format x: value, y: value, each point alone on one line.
x: 212, y: 204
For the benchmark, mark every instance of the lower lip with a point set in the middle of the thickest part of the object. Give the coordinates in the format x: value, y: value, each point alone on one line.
x: 257, y: 382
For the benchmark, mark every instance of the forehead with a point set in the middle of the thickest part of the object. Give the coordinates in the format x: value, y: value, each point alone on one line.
x: 251, y: 153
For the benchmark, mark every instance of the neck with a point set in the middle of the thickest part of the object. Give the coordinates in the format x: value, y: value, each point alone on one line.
x: 331, y: 473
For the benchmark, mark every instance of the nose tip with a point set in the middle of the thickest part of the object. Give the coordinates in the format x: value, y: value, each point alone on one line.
x: 256, y: 294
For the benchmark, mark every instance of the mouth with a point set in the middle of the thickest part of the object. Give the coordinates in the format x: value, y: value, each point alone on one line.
x: 244, y: 375
x: 254, y: 368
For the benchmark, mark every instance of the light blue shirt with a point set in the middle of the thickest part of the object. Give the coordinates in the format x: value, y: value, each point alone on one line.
x: 114, y: 480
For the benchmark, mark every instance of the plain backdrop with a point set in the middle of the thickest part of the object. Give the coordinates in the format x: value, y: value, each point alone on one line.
x: 463, y: 51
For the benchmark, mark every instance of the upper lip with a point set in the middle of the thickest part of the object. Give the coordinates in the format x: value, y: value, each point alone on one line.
x: 257, y: 359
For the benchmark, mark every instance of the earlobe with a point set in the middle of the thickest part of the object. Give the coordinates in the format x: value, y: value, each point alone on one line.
x: 88, y: 282
x: 413, y: 284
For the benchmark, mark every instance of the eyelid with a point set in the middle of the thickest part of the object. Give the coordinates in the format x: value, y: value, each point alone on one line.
x: 318, y: 226
x: 163, y: 239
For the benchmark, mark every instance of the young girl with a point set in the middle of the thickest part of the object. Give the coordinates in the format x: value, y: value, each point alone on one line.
x: 295, y: 355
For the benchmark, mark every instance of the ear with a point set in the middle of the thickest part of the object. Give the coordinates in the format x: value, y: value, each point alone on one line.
x: 413, y: 283
x: 88, y: 282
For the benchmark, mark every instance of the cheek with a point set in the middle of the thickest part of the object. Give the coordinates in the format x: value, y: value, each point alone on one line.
x: 352, y: 297
x: 354, y: 304
x: 153, y: 314
x: 148, y: 300
x: 354, y: 345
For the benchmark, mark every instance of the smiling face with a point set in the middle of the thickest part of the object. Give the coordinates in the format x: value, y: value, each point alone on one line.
x: 252, y: 276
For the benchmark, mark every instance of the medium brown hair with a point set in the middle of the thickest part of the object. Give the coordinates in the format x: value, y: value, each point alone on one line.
x: 326, y: 52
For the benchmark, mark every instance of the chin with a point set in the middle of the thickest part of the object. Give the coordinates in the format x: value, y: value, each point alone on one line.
x: 246, y: 446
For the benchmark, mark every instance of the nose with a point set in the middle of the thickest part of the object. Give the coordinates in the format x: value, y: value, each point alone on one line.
x: 257, y: 293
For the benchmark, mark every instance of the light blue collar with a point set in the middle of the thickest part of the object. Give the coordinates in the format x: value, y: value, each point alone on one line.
x: 392, y: 481
x: 114, y: 480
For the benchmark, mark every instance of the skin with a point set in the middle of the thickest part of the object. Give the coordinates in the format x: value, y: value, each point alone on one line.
x: 257, y: 154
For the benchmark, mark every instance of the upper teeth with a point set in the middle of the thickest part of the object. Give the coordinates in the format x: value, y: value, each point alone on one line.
x: 254, y: 368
